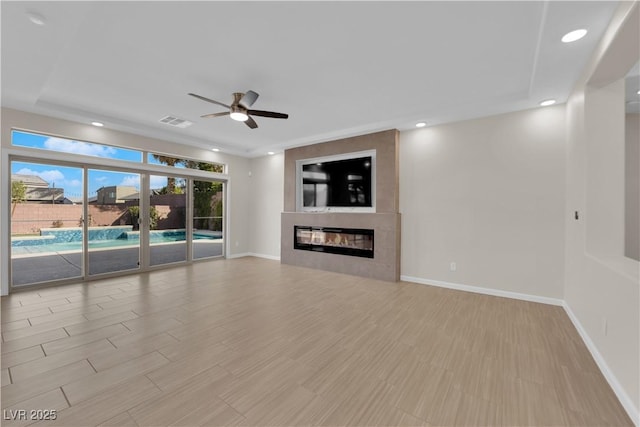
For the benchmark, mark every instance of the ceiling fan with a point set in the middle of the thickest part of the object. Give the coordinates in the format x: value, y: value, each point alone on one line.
x: 239, y: 109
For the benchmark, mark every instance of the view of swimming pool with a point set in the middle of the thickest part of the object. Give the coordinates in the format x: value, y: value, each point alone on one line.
x: 65, y: 240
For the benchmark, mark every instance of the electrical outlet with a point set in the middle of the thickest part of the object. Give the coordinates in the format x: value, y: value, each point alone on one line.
x: 237, y: 243
x: 453, y: 266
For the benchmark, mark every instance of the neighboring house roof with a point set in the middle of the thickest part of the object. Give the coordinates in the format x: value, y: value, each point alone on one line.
x: 29, y: 180
x: 44, y: 194
x: 132, y: 196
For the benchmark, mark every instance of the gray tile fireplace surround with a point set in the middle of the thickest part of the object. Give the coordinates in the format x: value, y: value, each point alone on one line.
x: 385, y: 264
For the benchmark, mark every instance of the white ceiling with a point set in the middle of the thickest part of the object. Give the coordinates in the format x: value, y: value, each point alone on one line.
x: 337, y: 68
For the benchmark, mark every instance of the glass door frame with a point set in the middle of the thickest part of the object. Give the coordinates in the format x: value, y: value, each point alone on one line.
x: 87, y: 258
x: 85, y: 163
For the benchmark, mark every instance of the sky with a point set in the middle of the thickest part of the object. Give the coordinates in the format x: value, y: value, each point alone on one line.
x: 70, y: 178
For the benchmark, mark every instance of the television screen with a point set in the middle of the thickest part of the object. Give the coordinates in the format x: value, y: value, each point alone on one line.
x: 337, y: 183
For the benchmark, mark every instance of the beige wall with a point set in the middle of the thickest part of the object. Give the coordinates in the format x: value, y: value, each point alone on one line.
x: 632, y: 187
x: 238, y: 167
x: 266, y: 203
x: 602, y: 289
x: 487, y: 194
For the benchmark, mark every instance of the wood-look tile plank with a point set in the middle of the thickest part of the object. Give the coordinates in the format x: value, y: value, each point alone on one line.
x: 254, y: 386
x: 6, y: 379
x: 99, y: 314
x: 281, y: 406
x: 84, y: 300
x: 33, y: 340
x: 254, y: 342
x: 9, y: 301
x: 13, y: 314
x: 42, y: 365
x: 46, y: 405
x: 186, y: 347
x: 68, y: 342
x: 91, y: 325
x: 315, y: 412
x: 18, y: 324
x: 37, y: 303
x: 22, y: 356
x: 79, y: 307
x: 42, y: 327
x: 541, y: 407
x: 105, y: 406
x: 119, y: 354
x: 360, y: 408
x: 121, y: 420
x: 62, y: 315
x: 478, y: 411
x: 174, y: 374
x: 92, y: 385
x: 152, y: 325
x: 192, y: 404
x: 55, y: 378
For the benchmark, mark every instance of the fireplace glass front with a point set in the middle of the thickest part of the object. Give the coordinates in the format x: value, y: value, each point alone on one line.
x: 343, y: 241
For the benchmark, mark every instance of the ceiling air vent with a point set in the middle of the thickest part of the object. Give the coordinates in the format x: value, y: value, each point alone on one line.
x: 174, y: 121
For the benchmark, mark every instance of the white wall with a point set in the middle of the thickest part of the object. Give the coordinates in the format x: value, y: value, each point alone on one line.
x: 487, y: 194
x: 238, y: 167
x: 266, y: 204
x: 632, y: 186
x: 602, y: 289
x: 605, y: 168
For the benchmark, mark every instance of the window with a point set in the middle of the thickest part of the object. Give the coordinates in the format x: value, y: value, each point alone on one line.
x: 62, y: 145
x: 161, y: 159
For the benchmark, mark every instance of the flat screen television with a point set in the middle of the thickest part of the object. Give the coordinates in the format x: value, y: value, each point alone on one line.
x: 340, y: 183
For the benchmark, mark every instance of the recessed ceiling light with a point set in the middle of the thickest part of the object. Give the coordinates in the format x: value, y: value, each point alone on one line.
x: 421, y: 125
x: 547, y: 102
x: 215, y: 149
x: 97, y: 124
x: 36, y: 18
x: 271, y: 153
x: 574, y: 35
x: 638, y: 92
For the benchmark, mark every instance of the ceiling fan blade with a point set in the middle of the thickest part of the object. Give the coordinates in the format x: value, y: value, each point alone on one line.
x: 251, y: 123
x: 270, y: 114
x: 208, y: 116
x: 248, y: 99
x: 209, y: 100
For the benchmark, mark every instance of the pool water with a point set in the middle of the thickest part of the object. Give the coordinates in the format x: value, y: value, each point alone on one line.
x: 133, y: 239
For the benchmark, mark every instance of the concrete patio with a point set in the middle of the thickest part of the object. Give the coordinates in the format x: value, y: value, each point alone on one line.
x: 63, y: 265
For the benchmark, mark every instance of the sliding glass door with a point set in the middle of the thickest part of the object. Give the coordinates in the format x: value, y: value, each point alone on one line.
x: 113, y: 211
x: 167, y: 220
x: 46, y: 222
x: 75, y: 222
x: 208, y: 209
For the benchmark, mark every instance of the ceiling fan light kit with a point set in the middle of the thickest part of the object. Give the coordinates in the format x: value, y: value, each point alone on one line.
x: 239, y: 109
x: 239, y: 114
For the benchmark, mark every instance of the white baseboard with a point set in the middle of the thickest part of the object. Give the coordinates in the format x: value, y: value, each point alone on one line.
x: 271, y: 257
x: 485, y: 291
x: 623, y: 397
x: 240, y: 255
x: 245, y: 254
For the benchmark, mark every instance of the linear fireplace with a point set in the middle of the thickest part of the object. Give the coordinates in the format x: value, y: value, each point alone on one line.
x: 343, y: 241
